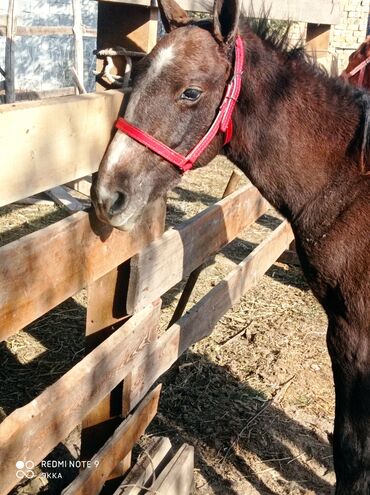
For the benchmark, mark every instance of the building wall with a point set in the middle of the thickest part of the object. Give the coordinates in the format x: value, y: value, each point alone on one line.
x: 351, y: 32
x: 343, y: 38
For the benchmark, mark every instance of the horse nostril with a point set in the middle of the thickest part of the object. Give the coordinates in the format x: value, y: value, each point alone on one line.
x: 117, y: 203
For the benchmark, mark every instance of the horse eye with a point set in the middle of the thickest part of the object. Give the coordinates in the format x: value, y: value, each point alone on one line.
x: 191, y: 94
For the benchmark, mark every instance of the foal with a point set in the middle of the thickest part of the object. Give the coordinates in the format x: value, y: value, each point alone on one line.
x: 357, y: 71
x: 299, y: 137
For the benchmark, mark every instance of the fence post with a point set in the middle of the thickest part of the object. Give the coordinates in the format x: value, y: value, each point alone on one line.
x: 106, y: 311
x: 78, y: 41
x: 9, y: 54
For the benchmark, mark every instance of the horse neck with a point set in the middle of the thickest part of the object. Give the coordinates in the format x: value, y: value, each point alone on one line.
x: 293, y: 128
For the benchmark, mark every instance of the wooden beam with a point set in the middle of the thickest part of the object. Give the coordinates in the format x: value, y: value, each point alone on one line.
x: 106, y: 309
x: 83, y: 185
x: 177, y: 477
x: 48, y: 93
x: 231, y: 186
x: 148, y: 466
x: 201, y: 319
x: 315, y: 11
x: 9, y: 54
x: 61, y: 197
x: 78, y: 41
x: 91, y: 480
x: 33, y: 430
x: 50, y: 142
x: 45, y: 268
x: 179, y: 251
x: 53, y: 31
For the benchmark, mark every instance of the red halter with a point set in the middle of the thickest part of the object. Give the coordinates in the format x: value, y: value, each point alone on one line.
x: 360, y: 68
x: 221, y: 123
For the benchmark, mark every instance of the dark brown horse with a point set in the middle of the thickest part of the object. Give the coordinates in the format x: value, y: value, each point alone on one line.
x: 357, y: 71
x: 300, y: 137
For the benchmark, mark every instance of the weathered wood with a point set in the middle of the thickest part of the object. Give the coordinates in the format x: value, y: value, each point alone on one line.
x: 78, y: 41
x: 9, y: 55
x: 179, y: 251
x: 78, y: 82
x: 91, y: 480
x: 61, y: 197
x: 231, y: 186
x: 50, y: 142
x: 200, y: 320
x: 34, y: 201
x: 48, y: 93
x: 45, y: 268
x: 32, y: 431
x: 151, y: 462
x: 177, y: 477
x: 132, y: 27
x: 233, y: 183
x: 106, y: 309
x: 83, y: 185
x: 53, y: 31
x: 3, y: 24
x: 315, y: 11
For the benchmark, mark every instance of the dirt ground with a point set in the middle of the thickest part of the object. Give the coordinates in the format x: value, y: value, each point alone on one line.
x: 255, y: 398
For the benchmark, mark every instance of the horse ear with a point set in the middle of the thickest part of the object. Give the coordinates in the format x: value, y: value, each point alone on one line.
x: 226, y: 15
x: 173, y: 16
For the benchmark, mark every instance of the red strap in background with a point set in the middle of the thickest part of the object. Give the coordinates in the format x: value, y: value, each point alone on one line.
x: 222, y: 122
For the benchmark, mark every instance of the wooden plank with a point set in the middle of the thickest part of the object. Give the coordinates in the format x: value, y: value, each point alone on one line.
x: 81, y: 185
x: 116, y: 448
x: 44, y: 268
x: 32, y: 431
x: 62, y: 198
x: 106, y: 309
x: 50, y: 142
x: 9, y: 55
x: 53, y: 31
x: 200, y: 320
x: 48, y: 93
x: 179, y: 251
x: 315, y: 11
x: 150, y: 463
x: 177, y: 477
x: 231, y: 186
x: 133, y: 27
x: 78, y: 41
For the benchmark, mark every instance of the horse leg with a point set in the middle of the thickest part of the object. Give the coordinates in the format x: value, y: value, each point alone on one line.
x: 349, y: 349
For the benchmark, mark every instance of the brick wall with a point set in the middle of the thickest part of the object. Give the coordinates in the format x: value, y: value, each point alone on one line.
x: 351, y: 32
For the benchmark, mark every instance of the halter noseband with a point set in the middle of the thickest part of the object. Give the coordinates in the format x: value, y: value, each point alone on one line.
x: 222, y: 122
x: 361, y: 69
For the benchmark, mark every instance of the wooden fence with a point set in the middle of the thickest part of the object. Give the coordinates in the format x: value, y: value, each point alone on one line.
x: 53, y: 142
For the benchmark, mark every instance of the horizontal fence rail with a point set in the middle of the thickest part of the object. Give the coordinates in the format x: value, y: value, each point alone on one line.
x: 46, y: 267
x: 166, y: 261
x: 51, y: 142
x: 199, y: 322
x: 32, y: 431
x: 128, y: 352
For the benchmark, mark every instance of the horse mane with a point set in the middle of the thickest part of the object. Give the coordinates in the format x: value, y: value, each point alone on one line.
x: 276, y: 35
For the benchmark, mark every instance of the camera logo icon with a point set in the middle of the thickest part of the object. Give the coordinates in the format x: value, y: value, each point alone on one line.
x: 25, y: 469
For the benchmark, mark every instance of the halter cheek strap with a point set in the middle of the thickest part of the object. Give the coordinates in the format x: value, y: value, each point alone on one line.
x: 222, y: 123
x: 360, y: 68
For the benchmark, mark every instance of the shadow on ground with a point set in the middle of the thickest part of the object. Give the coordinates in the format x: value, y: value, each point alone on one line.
x: 204, y: 405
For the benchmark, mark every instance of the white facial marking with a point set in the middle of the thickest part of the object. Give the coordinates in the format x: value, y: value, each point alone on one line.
x: 163, y: 58
x: 120, y: 145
